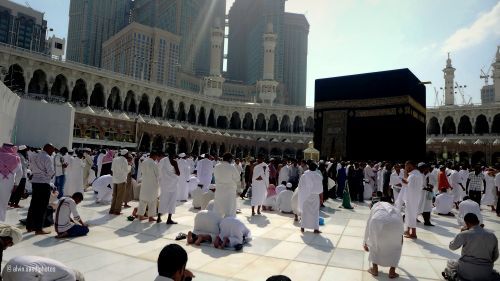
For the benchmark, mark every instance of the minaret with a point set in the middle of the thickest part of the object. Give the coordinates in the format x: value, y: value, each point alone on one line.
x: 496, y: 75
x: 213, y: 83
x: 449, y: 84
x: 268, y: 86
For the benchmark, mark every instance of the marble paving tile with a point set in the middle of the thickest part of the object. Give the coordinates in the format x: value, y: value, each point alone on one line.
x: 341, y: 274
x: 350, y: 242
x: 262, y: 268
x: 354, y: 231
x: 303, y: 271
x: 286, y: 250
x: 230, y: 265
x: 315, y: 255
x: 347, y: 258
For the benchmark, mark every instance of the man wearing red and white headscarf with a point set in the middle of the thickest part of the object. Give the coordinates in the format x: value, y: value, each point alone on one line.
x: 11, y: 173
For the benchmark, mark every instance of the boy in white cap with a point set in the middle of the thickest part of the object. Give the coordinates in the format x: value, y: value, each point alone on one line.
x: 284, y: 200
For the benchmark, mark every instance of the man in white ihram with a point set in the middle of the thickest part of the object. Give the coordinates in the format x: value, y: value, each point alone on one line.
x: 383, y: 237
x: 310, y: 187
x: 169, y: 174
x: 260, y: 182
x: 104, y: 187
x: 205, y: 169
x: 148, y: 196
x: 233, y: 233
x: 227, y: 179
x: 412, y: 198
x: 182, y: 184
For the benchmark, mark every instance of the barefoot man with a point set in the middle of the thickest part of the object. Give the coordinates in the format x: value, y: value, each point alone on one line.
x: 310, y: 187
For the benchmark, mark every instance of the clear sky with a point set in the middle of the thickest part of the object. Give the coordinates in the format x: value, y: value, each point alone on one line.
x: 356, y: 36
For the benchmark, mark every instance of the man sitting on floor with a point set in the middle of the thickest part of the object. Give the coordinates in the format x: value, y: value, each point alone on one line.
x: 444, y: 203
x: 479, y: 252
x: 233, y: 233
x: 172, y: 264
x: 65, y: 225
x: 284, y: 201
x: 468, y: 206
x: 206, y: 228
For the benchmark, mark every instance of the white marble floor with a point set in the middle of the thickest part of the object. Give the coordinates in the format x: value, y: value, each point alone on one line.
x: 117, y: 249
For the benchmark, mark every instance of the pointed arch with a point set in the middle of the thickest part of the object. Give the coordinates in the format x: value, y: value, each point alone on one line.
x: 211, y: 119
x: 144, y: 146
x: 222, y: 122
x: 248, y: 122
x: 195, y: 148
x: 285, y: 124
x: 97, y: 96
x: 183, y: 146
x: 170, y: 145
x: 235, y: 123
x: 170, y: 114
x: 181, y: 115
x: 38, y: 83
x: 481, y: 127
x: 433, y: 127
x: 465, y: 126
x: 449, y: 126
x: 260, y: 123
x: 130, y: 104
x: 14, y: 79
x: 144, y: 105
x: 310, y: 125
x: 191, y: 118
x: 157, y: 108
x: 298, y: 126
x: 204, y: 147
x: 202, y: 119
x: 79, y: 94
x: 60, y: 87
x: 273, y: 123
x: 114, y: 100
x: 495, y: 127
x: 158, y: 141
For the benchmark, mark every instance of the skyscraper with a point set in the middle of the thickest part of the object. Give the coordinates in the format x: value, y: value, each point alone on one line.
x: 248, y: 20
x: 22, y: 26
x: 296, y: 32
x: 91, y: 22
x: 190, y: 19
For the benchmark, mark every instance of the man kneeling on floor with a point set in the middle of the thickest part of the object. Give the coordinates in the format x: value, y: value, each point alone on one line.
x: 479, y: 252
x: 65, y: 225
x: 233, y: 233
x: 206, y: 227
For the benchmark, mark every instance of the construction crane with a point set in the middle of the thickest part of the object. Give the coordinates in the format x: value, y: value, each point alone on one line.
x: 485, y: 75
x: 462, y: 94
x: 436, y: 97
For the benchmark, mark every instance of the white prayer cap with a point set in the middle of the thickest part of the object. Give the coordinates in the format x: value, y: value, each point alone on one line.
x: 12, y: 232
x: 22, y: 147
x: 71, y: 150
x: 203, y: 155
x: 289, y: 184
x: 182, y: 155
x: 421, y: 164
x: 123, y: 152
x: 87, y: 149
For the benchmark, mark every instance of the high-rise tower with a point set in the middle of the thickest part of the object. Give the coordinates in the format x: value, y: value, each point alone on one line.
x: 449, y: 84
x: 496, y: 75
x: 91, y: 22
x: 213, y: 83
x: 268, y: 86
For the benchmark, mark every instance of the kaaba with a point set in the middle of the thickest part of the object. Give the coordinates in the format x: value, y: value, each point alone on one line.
x: 372, y: 116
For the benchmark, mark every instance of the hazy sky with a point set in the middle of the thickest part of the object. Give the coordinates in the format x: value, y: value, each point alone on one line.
x: 356, y: 36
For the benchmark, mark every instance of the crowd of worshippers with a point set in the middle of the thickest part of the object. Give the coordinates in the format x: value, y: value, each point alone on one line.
x: 57, y: 180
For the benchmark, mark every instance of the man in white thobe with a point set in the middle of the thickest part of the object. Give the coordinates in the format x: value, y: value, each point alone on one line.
x: 468, y: 206
x: 169, y: 174
x: 227, y: 179
x: 260, y: 182
x: 283, y: 173
x: 396, y: 181
x: 284, y: 200
x: 444, y: 203
x: 120, y: 169
x: 205, y: 169
x: 383, y: 237
x: 412, y: 199
x: 206, y: 227
x: 33, y: 268
x: 11, y: 173
x: 148, y: 196
x: 104, y: 187
x: 233, y: 233
x: 74, y: 174
x: 426, y: 199
x: 369, y: 181
x: 310, y: 187
x: 456, y: 183
x: 182, y: 183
